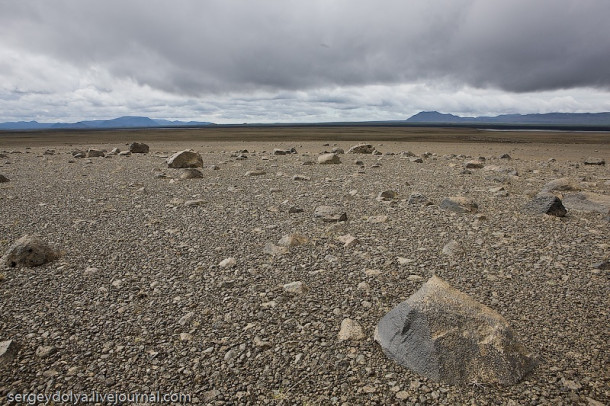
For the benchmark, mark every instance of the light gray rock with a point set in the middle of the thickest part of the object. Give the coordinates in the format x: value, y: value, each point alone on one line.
x: 330, y: 214
x: 559, y: 185
x: 256, y: 172
x: 28, y: 251
x: 361, y: 149
x: 445, y: 335
x: 417, y: 199
x: 138, y: 148
x: 8, y: 351
x: 387, y: 195
x: 296, y: 288
x: 459, y: 204
x: 587, y: 201
x: 327, y: 159
x: 95, y: 153
x: 45, y: 351
x: 350, y: 330
x: 292, y: 240
x: 545, y: 203
x: 301, y: 178
x: 595, y: 161
x: 474, y: 165
x: 337, y: 151
x: 185, y: 159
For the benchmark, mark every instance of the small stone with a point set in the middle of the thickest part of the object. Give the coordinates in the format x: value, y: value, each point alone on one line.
x: 361, y: 149
x: 90, y: 271
x: 257, y: 172
x: 8, y: 351
x: 294, y: 210
x: 227, y: 263
x: 326, y: 159
x: 417, y: 199
x: 474, y: 165
x: 350, y: 330
x: 386, y: 195
x: 274, y: 250
x: 185, y: 159
x: 263, y: 345
x: 452, y: 248
x: 402, y: 395
x: 337, y: 150
x: 191, y: 173
x: 595, y: 161
x: 292, y: 240
x: 45, y: 350
x: 4, y: 179
x: 330, y: 214
x: 297, y: 288
x: 364, y: 286
x: 301, y: 178
x: 186, y: 318
x: 95, y: 153
x: 378, y: 219
x: 562, y: 185
x: 348, y: 240
x: 28, y: 251
x: 195, y: 202
x: 186, y: 337
x: 505, y: 156
x: 602, y: 266
x: 459, y: 204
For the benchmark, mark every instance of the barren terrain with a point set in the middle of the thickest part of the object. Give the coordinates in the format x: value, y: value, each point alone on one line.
x: 138, y: 301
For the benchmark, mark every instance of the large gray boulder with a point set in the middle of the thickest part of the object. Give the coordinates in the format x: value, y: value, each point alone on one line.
x: 28, y: 251
x: 185, y: 159
x: 447, y: 336
x: 545, y: 203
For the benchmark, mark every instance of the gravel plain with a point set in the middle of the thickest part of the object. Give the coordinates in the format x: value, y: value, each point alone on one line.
x: 139, y: 300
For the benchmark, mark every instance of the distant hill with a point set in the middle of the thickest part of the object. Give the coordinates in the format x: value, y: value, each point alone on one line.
x: 120, y: 122
x: 434, y: 117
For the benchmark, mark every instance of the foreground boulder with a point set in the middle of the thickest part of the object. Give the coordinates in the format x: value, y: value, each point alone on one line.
x: 185, y: 159
x: 138, y: 148
x: 28, y: 251
x: 361, y: 149
x: 330, y: 214
x: 447, y: 336
x: 545, y: 203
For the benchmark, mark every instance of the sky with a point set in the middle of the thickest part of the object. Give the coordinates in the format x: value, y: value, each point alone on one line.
x: 234, y: 61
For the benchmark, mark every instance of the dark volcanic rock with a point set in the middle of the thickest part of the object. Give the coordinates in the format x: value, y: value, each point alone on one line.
x: 28, y: 251
x: 447, y: 336
x: 138, y: 148
x: 3, y: 179
x: 545, y: 203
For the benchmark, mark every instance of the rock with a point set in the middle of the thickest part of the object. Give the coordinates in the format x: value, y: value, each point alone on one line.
x: 361, y: 149
x: 257, y: 172
x: 125, y: 153
x: 348, y: 240
x: 595, y: 161
x: 301, y: 178
x: 45, y: 350
x: 8, y: 351
x: 545, y: 203
x: 95, y: 153
x: 214, y: 167
x: 186, y: 318
x: 191, y: 173
x: 262, y: 344
x: 501, y: 169
x: 559, y: 185
x: 195, y: 202
x: 587, y: 201
x: 417, y: 199
x: 378, y: 219
x: 114, y: 151
x: 28, y: 251
x: 227, y: 263
x: 459, y: 204
x: 138, y: 148
x: 296, y: 288
x: 4, y: 179
x: 185, y: 159
x: 186, y: 337
x: 445, y: 335
x: 386, y: 195
x: 278, y: 151
x: 90, y: 271
x: 505, y: 156
x: 330, y: 214
x: 337, y: 151
x: 603, y: 265
x: 292, y: 240
x: 452, y: 248
x: 416, y: 160
x: 274, y: 250
x: 326, y: 159
x: 294, y: 210
x: 474, y: 165
x: 350, y: 330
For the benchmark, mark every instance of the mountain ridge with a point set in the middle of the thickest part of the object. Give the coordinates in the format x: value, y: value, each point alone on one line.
x: 119, y: 122
x: 434, y: 117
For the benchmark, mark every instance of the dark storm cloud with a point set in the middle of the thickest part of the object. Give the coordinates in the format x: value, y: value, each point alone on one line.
x: 200, y: 47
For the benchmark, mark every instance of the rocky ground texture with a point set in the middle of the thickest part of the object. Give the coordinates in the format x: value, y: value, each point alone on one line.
x: 191, y: 284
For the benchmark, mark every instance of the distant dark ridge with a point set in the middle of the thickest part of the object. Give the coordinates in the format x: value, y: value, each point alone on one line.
x: 551, y: 119
x: 116, y: 123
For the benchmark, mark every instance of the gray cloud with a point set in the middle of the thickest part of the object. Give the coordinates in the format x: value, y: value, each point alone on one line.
x: 197, y: 48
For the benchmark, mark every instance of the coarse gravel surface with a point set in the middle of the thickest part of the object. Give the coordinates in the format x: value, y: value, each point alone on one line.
x: 138, y: 301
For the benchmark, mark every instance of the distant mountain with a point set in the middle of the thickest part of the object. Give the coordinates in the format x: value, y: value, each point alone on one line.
x: 594, y: 119
x: 120, y: 122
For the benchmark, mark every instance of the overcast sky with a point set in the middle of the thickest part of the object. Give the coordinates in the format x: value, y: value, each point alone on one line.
x: 233, y: 61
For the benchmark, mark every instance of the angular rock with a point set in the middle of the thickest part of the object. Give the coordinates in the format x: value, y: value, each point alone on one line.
x: 595, y: 161
x: 274, y: 250
x: 191, y: 173
x: 417, y: 199
x: 459, y: 204
x: 114, y: 151
x: 501, y: 169
x: 138, y: 148
x: 185, y: 159
x: 386, y: 195
x: 545, y: 203
x: 348, y: 240
x: 195, y: 202
x: 445, y: 335
x: 227, y: 263
x: 8, y: 351
x: 95, y: 153
x: 361, y: 149
x: 296, y: 288
x: 294, y: 210
x: 474, y: 165
x: 330, y: 214
x: 278, y: 151
x: 416, y: 160
x: 337, y: 150
x: 256, y: 172
x: 292, y: 240
x: 327, y: 159
x: 559, y: 185
x: 452, y: 248
x: 505, y: 156
x: 4, y: 179
x: 301, y: 178
x: 28, y: 251
x: 350, y: 330
x: 587, y: 201
x: 45, y: 350
x: 125, y: 153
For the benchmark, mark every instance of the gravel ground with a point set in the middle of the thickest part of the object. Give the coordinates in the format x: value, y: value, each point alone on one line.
x: 138, y: 301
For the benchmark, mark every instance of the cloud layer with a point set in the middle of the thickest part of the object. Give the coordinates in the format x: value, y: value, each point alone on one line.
x: 205, y: 50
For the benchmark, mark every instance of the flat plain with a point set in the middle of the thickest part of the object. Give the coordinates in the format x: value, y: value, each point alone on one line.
x: 139, y: 302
